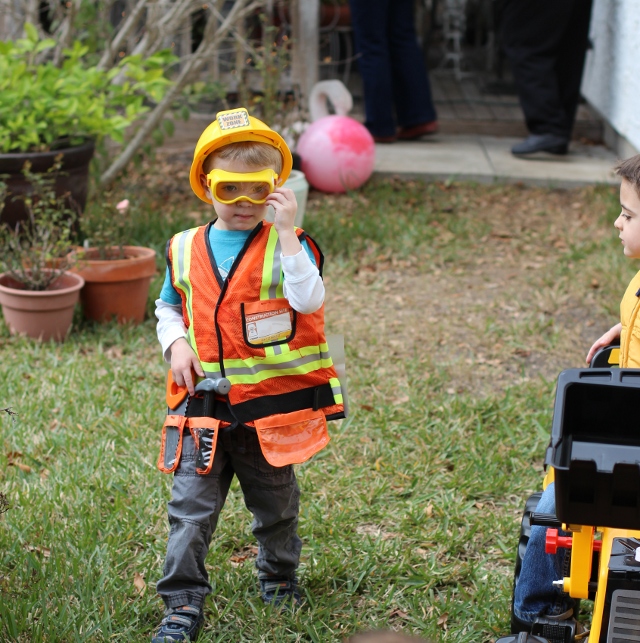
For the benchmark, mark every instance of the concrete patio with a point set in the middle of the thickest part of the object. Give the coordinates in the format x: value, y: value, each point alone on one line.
x: 488, y: 159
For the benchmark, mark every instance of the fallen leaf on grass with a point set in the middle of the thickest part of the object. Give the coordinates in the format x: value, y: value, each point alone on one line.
x: 23, y: 467
x: 400, y: 400
x: 245, y: 553
x: 45, y: 551
x: 138, y: 582
x: 442, y: 621
x: 114, y: 352
x: 398, y: 613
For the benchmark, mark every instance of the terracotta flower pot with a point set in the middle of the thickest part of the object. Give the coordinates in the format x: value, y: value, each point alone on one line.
x: 335, y: 15
x: 43, y: 314
x: 116, y: 288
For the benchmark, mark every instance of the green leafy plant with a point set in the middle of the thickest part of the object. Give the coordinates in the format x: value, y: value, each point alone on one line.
x: 201, y: 96
x: 46, y: 106
x: 275, y: 103
x: 35, y: 251
x: 104, y: 226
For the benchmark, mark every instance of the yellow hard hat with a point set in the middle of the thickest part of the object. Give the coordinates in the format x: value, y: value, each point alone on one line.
x: 234, y: 126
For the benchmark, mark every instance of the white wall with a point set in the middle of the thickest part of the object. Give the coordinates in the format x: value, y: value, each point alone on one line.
x: 611, y: 80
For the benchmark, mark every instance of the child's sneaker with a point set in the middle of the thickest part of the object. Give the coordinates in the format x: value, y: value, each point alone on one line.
x: 280, y: 591
x: 180, y: 624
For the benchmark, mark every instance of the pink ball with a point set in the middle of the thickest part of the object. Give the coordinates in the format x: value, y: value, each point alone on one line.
x: 337, y: 153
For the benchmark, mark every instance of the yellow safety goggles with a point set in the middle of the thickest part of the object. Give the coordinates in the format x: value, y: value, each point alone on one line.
x: 229, y: 187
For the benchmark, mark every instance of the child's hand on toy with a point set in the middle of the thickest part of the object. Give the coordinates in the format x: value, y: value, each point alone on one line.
x: 609, y: 337
x: 183, y: 361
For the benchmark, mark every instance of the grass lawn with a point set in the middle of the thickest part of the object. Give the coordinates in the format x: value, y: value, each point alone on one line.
x: 459, y: 303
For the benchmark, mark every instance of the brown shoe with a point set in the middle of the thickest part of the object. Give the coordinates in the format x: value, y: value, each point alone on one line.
x: 411, y: 133
x: 385, y: 139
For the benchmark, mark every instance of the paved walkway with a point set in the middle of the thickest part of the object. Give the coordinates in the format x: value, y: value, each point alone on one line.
x: 488, y: 158
x: 468, y: 157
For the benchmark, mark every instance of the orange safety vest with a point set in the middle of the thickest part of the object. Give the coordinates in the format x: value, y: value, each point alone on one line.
x: 282, y: 377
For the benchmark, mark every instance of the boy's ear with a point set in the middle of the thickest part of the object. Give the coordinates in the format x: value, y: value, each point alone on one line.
x: 203, y: 180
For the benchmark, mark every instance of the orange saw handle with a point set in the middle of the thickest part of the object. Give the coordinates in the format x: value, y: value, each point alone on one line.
x: 175, y: 394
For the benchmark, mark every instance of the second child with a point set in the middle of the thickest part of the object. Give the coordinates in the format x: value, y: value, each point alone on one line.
x: 535, y: 596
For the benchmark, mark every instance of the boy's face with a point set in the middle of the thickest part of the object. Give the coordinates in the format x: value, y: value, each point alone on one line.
x: 628, y: 221
x: 243, y: 214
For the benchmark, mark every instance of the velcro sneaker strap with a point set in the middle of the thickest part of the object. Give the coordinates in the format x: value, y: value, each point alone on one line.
x: 275, y: 585
x: 176, y: 619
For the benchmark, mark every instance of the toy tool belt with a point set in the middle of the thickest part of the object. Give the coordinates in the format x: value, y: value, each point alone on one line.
x: 285, y: 438
x: 315, y: 397
x: 204, y: 432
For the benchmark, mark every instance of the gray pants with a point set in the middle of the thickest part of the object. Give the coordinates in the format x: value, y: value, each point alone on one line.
x: 270, y: 493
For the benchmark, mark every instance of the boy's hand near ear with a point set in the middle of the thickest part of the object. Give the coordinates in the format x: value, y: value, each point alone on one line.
x: 283, y: 201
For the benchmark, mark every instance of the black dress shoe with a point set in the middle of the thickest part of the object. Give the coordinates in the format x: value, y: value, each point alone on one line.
x: 552, y: 143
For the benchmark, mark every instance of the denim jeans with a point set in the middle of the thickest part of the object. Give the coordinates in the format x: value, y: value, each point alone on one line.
x: 535, y: 595
x: 391, y: 63
x: 270, y: 493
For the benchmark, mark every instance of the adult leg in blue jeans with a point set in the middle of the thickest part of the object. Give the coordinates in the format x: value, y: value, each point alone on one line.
x: 394, y: 76
x: 535, y: 594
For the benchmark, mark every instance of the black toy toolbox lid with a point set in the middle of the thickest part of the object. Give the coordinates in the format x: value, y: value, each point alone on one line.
x: 596, y: 417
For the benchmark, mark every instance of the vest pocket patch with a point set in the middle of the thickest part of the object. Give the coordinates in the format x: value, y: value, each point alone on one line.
x: 204, y: 431
x: 171, y: 444
x: 268, y: 322
x: 292, y: 438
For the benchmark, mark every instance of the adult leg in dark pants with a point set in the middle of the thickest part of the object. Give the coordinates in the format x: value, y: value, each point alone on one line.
x: 546, y: 42
x: 395, y: 81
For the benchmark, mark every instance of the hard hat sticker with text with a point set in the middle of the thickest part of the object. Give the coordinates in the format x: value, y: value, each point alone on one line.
x: 233, y: 119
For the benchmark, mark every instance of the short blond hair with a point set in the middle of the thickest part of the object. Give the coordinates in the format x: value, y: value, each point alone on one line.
x: 253, y: 153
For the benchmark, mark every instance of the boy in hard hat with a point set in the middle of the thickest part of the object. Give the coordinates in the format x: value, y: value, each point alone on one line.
x: 242, y: 300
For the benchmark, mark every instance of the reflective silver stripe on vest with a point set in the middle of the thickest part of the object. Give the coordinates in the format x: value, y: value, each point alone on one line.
x: 265, y: 365
x: 276, y: 270
x: 180, y: 256
x: 181, y: 278
x: 274, y: 279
